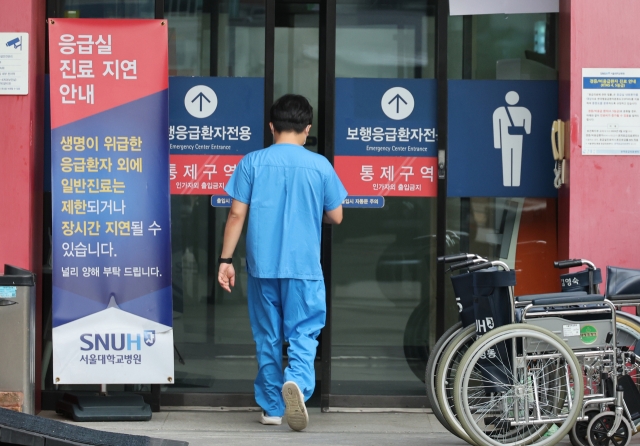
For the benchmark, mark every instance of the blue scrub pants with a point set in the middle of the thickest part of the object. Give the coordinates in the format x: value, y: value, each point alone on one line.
x: 292, y: 310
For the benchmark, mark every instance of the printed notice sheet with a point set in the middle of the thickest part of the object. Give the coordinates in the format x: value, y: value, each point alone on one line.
x: 611, y: 111
x: 14, y: 63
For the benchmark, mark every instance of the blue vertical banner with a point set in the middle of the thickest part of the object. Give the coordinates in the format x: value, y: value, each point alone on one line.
x: 112, y: 301
x: 499, y: 138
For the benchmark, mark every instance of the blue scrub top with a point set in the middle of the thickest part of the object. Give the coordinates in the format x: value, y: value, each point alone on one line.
x: 287, y: 189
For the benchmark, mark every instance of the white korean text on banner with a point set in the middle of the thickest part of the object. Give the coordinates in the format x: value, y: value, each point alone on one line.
x: 112, y: 306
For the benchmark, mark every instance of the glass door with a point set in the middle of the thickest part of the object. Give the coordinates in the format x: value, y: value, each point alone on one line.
x: 214, y: 349
x: 215, y: 352
x: 387, y: 299
x: 383, y: 260
x: 296, y: 61
x: 521, y: 231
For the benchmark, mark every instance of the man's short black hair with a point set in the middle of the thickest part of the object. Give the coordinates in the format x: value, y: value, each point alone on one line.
x: 291, y: 112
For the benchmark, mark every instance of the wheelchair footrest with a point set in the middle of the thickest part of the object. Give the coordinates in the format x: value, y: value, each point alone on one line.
x: 631, y: 396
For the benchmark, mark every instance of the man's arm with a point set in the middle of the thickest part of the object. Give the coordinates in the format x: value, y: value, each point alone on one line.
x: 333, y: 217
x: 232, y: 231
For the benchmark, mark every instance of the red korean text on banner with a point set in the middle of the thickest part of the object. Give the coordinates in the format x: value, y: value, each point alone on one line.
x: 388, y: 175
x: 99, y: 64
x: 201, y: 174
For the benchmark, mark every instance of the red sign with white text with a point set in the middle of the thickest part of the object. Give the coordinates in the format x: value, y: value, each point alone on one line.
x: 98, y: 65
x: 201, y: 174
x: 391, y: 176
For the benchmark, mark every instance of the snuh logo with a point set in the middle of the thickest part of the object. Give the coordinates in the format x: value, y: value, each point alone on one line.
x: 149, y: 337
x: 484, y: 325
x: 116, y: 341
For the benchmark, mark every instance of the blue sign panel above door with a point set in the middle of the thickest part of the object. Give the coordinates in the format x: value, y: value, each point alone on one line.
x: 215, y: 115
x: 386, y: 117
x: 499, y: 138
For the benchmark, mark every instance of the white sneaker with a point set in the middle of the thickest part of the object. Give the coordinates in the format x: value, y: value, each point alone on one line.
x: 295, y: 410
x: 273, y: 421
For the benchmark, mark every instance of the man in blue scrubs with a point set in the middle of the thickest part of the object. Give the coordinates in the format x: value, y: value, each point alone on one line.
x: 290, y: 192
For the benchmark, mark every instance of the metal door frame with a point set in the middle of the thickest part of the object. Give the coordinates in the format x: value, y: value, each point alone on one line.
x: 326, y: 134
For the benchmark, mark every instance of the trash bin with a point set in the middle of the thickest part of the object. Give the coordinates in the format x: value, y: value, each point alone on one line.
x: 18, y: 334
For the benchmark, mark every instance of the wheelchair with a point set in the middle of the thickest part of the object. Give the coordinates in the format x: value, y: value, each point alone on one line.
x: 530, y: 370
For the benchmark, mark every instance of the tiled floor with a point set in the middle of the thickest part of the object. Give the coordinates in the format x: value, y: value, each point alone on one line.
x: 202, y: 427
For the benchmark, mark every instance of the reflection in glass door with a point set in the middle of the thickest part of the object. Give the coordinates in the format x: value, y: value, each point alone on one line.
x: 383, y: 260
x: 297, y: 57
x: 519, y: 231
x: 214, y: 349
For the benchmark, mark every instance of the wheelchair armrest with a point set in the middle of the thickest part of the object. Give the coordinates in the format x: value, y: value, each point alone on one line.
x: 632, y: 298
x: 531, y: 297
x: 568, y: 300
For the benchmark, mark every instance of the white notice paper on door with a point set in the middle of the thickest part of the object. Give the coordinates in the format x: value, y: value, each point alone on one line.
x: 611, y: 111
x: 14, y: 63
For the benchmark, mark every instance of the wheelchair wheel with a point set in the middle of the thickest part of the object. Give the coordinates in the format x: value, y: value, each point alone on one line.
x: 578, y: 434
x: 432, y: 370
x: 600, y: 426
x: 446, y: 372
x: 492, y: 390
x: 628, y: 329
x: 627, y: 334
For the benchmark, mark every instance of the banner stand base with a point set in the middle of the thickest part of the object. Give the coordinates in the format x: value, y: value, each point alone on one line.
x: 96, y: 407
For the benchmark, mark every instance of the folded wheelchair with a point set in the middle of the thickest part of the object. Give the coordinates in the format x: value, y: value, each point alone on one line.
x: 531, y: 369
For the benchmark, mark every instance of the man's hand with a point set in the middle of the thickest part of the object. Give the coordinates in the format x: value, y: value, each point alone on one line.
x: 226, y: 276
x: 232, y: 230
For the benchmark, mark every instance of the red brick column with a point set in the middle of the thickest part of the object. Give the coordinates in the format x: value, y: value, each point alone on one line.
x: 599, y: 208
x: 21, y: 156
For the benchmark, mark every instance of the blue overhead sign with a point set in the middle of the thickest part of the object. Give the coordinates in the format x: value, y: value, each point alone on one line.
x: 386, y: 117
x: 499, y: 138
x: 215, y: 115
